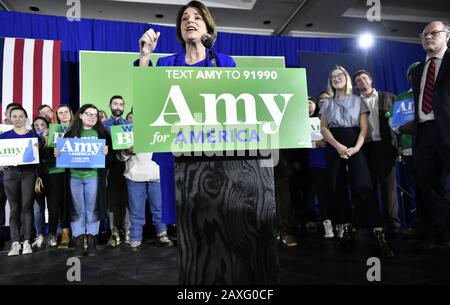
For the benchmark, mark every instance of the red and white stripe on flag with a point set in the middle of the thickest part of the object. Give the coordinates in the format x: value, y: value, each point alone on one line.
x: 30, y: 73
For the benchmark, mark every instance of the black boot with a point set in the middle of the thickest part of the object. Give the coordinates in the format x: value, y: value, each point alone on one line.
x: 348, y: 241
x: 381, y: 245
x: 79, y: 245
x: 91, y: 242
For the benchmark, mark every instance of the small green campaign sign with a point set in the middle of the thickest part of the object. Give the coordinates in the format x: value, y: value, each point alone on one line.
x: 19, y: 151
x: 122, y: 136
x: 56, y: 131
x: 179, y: 109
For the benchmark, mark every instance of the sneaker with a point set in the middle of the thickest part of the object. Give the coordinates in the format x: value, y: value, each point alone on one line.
x: 134, y: 244
x: 114, y: 240
x: 328, y: 228
x: 38, y: 242
x: 15, y: 249
x: 127, y: 237
x: 164, y: 241
x: 27, y: 248
x: 52, y: 241
x: 347, y: 241
x: 289, y: 240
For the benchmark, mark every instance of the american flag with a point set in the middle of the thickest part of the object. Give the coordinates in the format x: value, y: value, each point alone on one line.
x: 30, y: 73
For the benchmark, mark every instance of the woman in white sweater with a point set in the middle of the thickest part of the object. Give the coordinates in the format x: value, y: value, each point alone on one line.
x: 142, y: 176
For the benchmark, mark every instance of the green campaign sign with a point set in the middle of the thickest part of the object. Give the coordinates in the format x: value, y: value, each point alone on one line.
x: 104, y: 74
x: 55, y: 131
x: 19, y: 151
x: 215, y: 109
x: 122, y: 136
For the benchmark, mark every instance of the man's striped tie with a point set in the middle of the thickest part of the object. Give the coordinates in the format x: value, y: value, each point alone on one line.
x: 427, y: 99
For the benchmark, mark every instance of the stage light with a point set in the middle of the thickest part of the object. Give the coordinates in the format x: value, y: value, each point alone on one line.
x: 366, y: 41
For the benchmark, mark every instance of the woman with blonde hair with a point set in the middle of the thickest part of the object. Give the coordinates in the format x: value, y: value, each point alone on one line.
x: 344, y: 124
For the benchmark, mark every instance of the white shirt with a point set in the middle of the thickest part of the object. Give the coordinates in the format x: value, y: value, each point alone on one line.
x: 430, y: 116
x: 373, y: 134
x: 140, y: 167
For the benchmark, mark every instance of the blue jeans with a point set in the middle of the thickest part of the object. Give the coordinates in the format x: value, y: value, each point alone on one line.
x: 39, y: 215
x: 84, y: 195
x: 138, y: 192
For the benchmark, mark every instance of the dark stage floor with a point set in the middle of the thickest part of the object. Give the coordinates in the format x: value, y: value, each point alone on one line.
x: 313, y: 261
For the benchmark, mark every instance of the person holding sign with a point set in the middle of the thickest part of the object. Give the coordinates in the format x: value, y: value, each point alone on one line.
x: 46, y: 112
x: 407, y: 173
x: 119, y: 219
x: 344, y: 124
x: 19, y: 186
x: 56, y: 187
x: 64, y: 115
x: 6, y: 121
x: 87, y: 185
x: 194, y: 25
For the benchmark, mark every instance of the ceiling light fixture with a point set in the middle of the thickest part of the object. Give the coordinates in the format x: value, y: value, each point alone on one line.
x: 366, y: 41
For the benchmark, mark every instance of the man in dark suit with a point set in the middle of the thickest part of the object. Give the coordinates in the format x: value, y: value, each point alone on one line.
x: 431, y: 132
x: 380, y: 148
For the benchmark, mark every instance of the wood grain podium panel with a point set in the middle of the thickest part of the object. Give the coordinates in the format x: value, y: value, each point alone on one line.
x: 226, y: 222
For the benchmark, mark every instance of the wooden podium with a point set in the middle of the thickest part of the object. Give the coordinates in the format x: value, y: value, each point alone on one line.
x: 225, y: 206
x: 226, y: 221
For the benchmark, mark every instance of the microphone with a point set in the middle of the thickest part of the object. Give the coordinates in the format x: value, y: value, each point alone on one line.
x: 208, y: 42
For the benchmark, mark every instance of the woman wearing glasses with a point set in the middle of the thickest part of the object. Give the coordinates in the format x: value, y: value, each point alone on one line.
x: 344, y: 124
x: 87, y: 185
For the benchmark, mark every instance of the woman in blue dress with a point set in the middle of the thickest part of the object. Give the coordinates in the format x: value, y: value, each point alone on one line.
x: 194, y: 21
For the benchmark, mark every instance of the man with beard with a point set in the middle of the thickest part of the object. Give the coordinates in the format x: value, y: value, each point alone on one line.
x: 117, y: 188
x: 46, y: 112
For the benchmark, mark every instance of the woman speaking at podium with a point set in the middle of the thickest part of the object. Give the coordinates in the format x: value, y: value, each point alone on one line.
x: 226, y: 207
x: 196, y: 31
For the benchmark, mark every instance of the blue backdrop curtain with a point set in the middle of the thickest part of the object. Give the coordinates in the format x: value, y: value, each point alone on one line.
x: 390, y: 59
